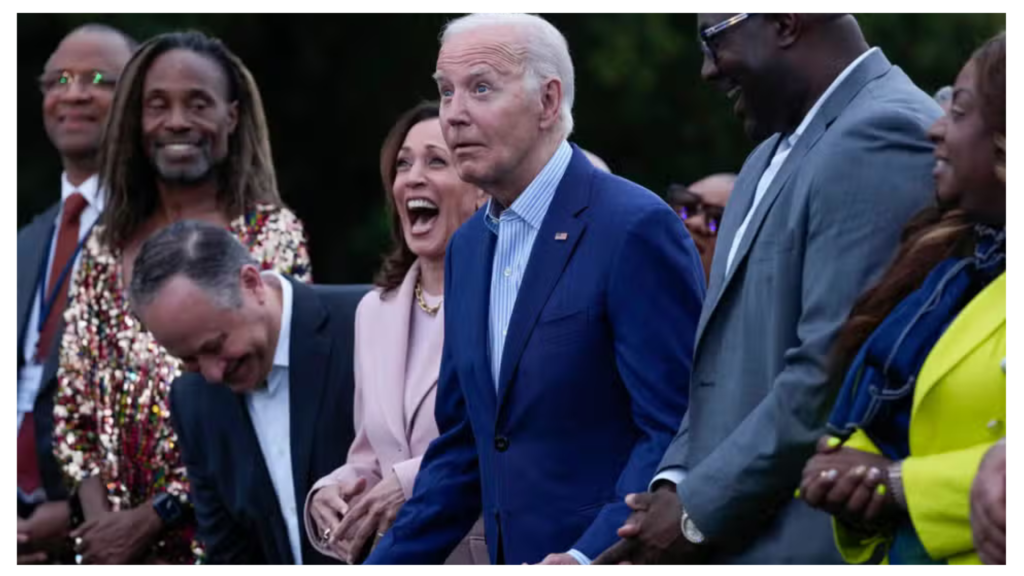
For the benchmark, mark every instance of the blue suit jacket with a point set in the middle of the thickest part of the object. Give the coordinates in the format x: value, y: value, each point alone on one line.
x: 594, y: 378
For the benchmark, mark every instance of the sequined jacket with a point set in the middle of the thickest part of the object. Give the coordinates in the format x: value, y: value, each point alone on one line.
x: 111, y: 412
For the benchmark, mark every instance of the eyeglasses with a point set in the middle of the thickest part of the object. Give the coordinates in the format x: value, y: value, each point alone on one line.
x: 691, y: 206
x: 61, y: 81
x: 708, y: 33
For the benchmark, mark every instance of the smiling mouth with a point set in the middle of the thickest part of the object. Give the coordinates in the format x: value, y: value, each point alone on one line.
x: 422, y: 214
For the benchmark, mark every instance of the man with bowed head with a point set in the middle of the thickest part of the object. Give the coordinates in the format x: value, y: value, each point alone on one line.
x: 573, y: 298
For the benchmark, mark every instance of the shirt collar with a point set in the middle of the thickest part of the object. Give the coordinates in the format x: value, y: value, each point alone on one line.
x: 532, y: 205
x: 821, y: 101
x: 88, y: 189
x: 281, y: 354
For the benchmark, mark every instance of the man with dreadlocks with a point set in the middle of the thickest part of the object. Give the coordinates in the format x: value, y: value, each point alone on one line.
x: 77, y: 85
x: 186, y: 139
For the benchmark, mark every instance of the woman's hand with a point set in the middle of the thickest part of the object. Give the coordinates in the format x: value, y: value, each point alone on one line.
x: 847, y: 483
x: 369, y: 518
x: 330, y: 504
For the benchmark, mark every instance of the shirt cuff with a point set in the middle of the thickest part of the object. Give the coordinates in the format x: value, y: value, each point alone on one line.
x: 579, y: 556
x: 675, y: 475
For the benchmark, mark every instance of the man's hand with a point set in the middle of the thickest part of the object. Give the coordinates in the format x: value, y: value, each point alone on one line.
x: 988, y: 506
x: 118, y: 537
x: 370, y: 517
x: 848, y: 484
x: 44, y: 533
x: 562, y: 559
x: 652, y: 534
x: 331, y: 503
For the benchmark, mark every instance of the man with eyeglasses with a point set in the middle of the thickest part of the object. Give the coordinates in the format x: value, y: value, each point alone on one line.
x: 815, y: 215
x: 701, y: 206
x: 78, y: 87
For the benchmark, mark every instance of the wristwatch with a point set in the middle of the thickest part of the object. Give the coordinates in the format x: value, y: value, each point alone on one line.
x: 690, y: 531
x: 168, y: 508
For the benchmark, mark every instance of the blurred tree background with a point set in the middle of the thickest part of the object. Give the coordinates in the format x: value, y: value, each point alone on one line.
x: 333, y: 84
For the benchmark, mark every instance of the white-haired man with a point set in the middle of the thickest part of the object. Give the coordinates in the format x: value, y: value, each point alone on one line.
x: 572, y: 299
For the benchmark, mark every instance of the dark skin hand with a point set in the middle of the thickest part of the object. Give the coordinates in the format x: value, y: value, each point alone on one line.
x: 43, y: 535
x: 652, y: 533
x: 113, y: 537
x: 848, y: 484
x: 118, y: 537
x: 988, y: 506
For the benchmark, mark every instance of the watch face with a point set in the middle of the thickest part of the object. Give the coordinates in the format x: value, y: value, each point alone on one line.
x: 691, y: 533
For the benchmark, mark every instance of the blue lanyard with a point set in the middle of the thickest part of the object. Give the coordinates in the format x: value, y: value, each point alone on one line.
x: 46, y: 304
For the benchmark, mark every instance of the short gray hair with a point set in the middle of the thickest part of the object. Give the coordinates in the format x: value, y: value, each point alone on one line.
x: 208, y: 255
x: 547, y: 52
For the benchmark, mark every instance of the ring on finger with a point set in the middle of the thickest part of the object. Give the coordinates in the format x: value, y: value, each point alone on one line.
x: 327, y: 535
x: 829, y: 474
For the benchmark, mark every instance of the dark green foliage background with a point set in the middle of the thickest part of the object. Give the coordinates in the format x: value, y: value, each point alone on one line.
x: 333, y: 83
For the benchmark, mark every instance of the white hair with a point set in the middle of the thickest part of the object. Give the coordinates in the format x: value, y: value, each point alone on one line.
x: 547, y: 52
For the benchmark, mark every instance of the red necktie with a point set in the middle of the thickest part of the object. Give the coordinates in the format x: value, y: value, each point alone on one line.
x: 29, y: 479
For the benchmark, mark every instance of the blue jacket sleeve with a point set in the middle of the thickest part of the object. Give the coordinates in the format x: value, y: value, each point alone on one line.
x: 654, y: 303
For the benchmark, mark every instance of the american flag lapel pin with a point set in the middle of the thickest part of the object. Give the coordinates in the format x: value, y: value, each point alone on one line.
x: 561, y: 236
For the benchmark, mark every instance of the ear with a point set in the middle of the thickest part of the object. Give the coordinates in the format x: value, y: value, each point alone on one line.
x: 232, y: 117
x: 788, y: 28
x: 551, y: 102
x: 252, y: 283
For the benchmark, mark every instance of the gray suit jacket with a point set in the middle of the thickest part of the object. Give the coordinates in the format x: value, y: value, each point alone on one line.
x: 33, y: 241
x: 824, y: 231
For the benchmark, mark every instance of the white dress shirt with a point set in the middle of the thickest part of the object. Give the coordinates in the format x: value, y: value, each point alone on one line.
x: 516, y: 227
x: 677, y: 474
x: 269, y: 411
x: 31, y: 373
x: 782, y: 152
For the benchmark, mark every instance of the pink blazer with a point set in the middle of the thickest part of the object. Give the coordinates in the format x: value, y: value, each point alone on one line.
x: 386, y: 437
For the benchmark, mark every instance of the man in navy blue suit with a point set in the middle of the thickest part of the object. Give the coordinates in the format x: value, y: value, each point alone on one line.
x: 572, y: 301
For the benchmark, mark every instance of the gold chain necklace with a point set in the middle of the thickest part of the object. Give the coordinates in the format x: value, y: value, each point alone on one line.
x: 432, y: 310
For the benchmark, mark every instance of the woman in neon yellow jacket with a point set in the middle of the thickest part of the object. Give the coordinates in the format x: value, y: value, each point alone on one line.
x: 921, y: 358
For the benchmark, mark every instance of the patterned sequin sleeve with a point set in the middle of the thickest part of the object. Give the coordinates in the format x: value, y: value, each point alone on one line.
x: 76, y: 405
x: 277, y: 239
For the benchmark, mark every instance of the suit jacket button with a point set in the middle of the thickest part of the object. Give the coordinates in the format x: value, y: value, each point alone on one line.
x: 501, y: 443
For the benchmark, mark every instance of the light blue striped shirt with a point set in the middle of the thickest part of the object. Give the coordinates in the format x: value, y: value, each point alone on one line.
x: 517, y: 227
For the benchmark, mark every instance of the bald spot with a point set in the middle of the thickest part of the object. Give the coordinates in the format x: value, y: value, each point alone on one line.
x: 91, y: 48
x: 714, y: 189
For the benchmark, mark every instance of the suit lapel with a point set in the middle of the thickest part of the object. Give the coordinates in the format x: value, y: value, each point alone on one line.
x: 478, y: 288
x: 980, y: 318
x: 256, y: 486
x: 548, y: 259
x: 309, y: 366
x: 736, y: 210
x: 391, y: 361
x: 31, y: 255
x: 872, y: 67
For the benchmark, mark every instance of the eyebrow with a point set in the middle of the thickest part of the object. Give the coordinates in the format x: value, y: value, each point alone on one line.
x: 474, y: 73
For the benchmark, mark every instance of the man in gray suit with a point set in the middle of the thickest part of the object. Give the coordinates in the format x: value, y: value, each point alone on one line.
x: 78, y: 87
x: 815, y: 215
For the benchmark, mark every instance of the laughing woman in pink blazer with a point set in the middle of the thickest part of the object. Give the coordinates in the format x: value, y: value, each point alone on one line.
x: 399, y: 332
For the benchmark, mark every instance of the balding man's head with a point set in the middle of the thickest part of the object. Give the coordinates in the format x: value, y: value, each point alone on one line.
x: 715, y: 189
x: 78, y: 88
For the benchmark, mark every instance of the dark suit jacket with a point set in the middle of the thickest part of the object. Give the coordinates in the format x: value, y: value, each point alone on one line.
x: 239, y: 519
x: 593, y: 380
x: 33, y: 241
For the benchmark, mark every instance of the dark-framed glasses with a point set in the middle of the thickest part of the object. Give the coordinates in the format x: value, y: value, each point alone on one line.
x: 61, y: 81
x: 707, y: 34
x: 689, y: 205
